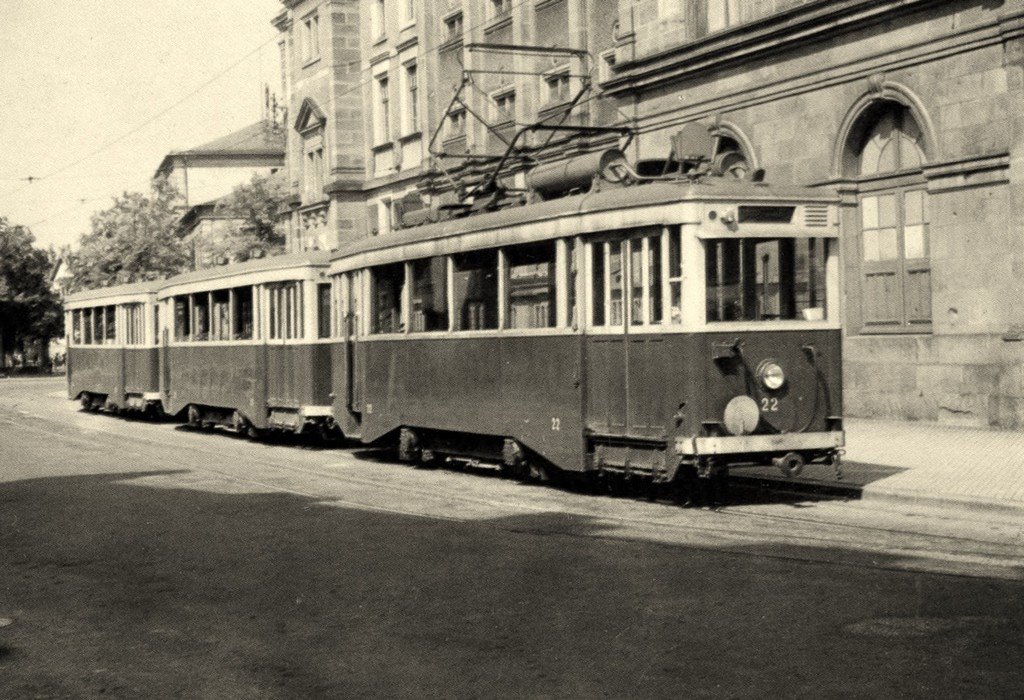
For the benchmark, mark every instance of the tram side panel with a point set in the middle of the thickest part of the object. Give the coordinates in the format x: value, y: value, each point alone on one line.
x: 222, y: 376
x: 141, y: 371
x: 96, y: 370
x: 299, y: 375
x: 527, y: 388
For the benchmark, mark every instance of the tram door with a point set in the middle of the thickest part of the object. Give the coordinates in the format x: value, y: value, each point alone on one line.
x: 625, y: 346
x: 346, y: 377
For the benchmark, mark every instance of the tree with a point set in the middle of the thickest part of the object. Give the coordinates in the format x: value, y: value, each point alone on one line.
x: 135, y: 240
x: 29, y: 309
x: 255, y: 205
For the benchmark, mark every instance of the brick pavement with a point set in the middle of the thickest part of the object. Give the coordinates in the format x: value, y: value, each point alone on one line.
x: 951, y: 467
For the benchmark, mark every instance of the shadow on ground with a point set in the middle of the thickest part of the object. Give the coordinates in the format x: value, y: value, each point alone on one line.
x: 121, y: 589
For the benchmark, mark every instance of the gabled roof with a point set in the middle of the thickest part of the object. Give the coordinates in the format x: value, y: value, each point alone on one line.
x: 260, y: 139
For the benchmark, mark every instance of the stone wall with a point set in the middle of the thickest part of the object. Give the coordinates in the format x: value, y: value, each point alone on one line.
x: 956, y: 65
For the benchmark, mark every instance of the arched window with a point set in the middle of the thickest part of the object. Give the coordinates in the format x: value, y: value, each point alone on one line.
x: 886, y: 156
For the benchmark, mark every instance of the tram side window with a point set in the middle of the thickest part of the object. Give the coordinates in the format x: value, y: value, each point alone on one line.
x: 86, y: 326
x: 323, y: 310
x: 201, y: 316
x: 430, y: 295
x: 182, y: 319
x: 386, y: 286
x: 607, y: 283
x: 675, y: 277
x: 76, y: 327
x: 134, y: 328
x: 285, y: 311
x: 111, y: 325
x: 476, y: 290
x: 355, y: 301
x: 97, y: 326
x: 241, y: 324
x: 765, y: 279
x: 531, y: 285
x: 220, y: 316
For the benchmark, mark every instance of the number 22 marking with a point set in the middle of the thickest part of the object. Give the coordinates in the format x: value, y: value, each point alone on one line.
x: 769, y: 405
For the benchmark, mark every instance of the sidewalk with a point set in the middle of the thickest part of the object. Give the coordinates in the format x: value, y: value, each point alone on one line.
x: 946, y: 466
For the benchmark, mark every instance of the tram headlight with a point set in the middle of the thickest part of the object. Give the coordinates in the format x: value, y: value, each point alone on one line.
x: 772, y: 376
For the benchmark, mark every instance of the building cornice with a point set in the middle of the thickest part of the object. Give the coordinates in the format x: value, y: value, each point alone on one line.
x: 1000, y: 29
x: 798, y: 26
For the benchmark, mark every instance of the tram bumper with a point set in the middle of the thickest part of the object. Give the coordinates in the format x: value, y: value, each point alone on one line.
x: 710, y: 446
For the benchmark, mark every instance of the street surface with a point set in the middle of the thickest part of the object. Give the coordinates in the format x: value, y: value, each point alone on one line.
x: 145, y: 560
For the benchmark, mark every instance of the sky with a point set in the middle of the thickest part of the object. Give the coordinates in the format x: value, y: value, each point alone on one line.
x: 94, y: 93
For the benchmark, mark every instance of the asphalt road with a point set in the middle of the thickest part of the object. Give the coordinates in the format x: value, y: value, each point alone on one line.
x: 141, y: 559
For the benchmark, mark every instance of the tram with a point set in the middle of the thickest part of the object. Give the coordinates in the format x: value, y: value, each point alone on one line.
x: 112, y: 348
x: 660, y: 331
x: 247, y: 346
x: 649, y: 330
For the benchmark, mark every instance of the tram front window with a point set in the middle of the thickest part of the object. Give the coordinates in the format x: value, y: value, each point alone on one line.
x: 754, y: 279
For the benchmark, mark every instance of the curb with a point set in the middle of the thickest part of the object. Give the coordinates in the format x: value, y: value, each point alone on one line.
x: 964, y: 504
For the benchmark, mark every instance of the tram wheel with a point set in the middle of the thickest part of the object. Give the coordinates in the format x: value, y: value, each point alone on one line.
x: 194, y: 418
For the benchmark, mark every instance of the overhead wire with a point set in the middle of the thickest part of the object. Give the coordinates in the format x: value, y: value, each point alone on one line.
x: 112, y: 142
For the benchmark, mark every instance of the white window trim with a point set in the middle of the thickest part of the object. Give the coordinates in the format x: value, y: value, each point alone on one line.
x: 557, y: 71
x: 604, y: 67
x: 494, y: 110
x: 408, y: 128
x: 380, y: 72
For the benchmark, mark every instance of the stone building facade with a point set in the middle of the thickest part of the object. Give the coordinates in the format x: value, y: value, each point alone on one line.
x: 911, y: 109
x: 324, y: 166
x: 908, y: 108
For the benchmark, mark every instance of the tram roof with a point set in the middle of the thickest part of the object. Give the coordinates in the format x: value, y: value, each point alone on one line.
x: 650, y: 194
x: 311, y: 258
x: 120, y: 290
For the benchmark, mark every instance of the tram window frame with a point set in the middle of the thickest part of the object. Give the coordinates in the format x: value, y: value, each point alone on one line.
x: 630, y: 281
x: 428, y: 295
x: 674, y: 278
x: 542, y: 314
x: 134, y: 323
x: 484, y: 314
x: 387, y: 288
x: 243, y: 313
x: 76, y: 327
x: 323, y: 309
x: 98, y: 325
x: 201, y: 317
x: 736, y: 262
x: 284, y: 306
x: 182, y: 313
x: 220, y: 315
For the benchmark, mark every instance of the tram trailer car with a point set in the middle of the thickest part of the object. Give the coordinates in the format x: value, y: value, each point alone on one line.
x: 113, y: 361
x: 247, y: 346
x: 664, y: 331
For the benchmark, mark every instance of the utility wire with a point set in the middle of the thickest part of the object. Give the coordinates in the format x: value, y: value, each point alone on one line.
x: 31, y: 180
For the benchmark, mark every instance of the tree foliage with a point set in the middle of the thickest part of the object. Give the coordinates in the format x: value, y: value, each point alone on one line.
x: 255, y: 205
x: 135, y: 240
x: 29, y: 309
